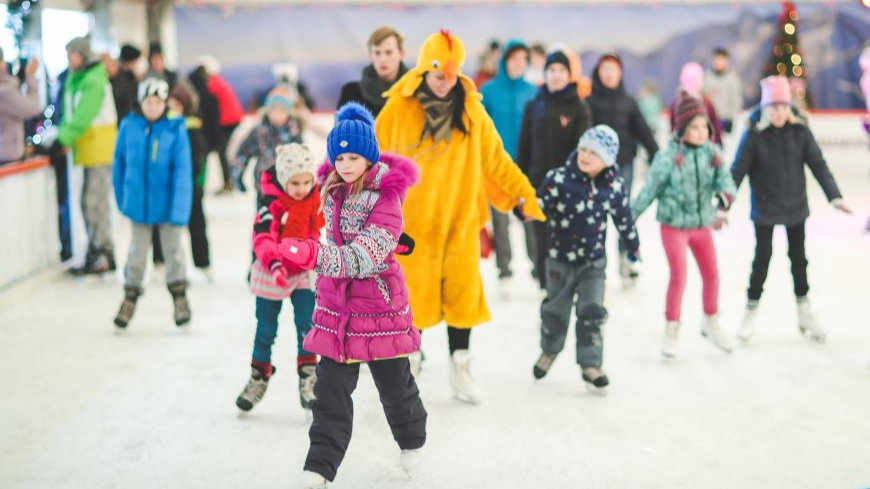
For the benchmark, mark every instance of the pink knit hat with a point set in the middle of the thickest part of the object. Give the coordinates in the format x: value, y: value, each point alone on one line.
x: 775, y: 90
x: 692, y: 79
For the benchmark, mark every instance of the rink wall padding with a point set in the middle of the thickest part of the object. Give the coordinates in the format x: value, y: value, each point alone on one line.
x: 328, y: 41
x: 28, y: 206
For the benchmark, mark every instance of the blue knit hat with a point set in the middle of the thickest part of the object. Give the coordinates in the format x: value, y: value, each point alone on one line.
x: 354, y: 132
x: 603, y: 141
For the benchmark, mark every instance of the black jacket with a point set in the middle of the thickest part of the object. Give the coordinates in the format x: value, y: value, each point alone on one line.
x: 552, y: 126
x: 208, y: 108
x: 124, y: 89
x: 618, y: 109
x: 774, y: 160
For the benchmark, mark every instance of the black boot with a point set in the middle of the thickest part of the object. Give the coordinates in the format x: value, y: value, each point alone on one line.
x: 128, y: 307
x: 179, y: 299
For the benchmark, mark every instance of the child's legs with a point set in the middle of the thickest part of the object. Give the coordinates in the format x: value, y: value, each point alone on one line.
x: 401, y: 400
x: 556, y: 308
x: 675, y: 242
x: 303, y: 310
x: 591, y: 314
x: 173, y: 253
x: 798, y: 255
x: 137, y: 258
x: 704, y: 249
x: 267, y: 329
x: 198, y: 237
x: 763, y: 251
x: 333, y: 416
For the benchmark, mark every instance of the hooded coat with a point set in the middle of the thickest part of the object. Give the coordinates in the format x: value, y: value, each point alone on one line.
x: 450, y: 206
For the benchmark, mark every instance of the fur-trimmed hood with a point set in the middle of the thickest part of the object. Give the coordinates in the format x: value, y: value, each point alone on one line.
x: 392, y: 176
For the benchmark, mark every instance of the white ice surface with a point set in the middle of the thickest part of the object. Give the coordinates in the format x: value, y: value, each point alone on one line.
x: 82, y: 408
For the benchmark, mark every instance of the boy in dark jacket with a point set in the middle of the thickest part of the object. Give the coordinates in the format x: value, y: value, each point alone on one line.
x: 577, y: 198
x: 611, y: 105
x: 385, y: 54
x: 552, y: 125
x: 153, y: 187
x: 773, y: 152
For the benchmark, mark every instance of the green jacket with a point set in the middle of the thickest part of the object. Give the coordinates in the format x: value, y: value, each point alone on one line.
x: 90, y: 123
x: 686, y: 192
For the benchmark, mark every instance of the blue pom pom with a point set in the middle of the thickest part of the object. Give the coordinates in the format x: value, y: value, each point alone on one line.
x: 352, y: 111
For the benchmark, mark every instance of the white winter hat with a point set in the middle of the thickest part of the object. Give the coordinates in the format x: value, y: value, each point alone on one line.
x: 210, y: 63
x: 603, y: 141
x: 291, y: 160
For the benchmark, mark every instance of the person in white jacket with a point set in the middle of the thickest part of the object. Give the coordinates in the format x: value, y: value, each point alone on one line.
x: 16, y: 107
x: 723, y: 88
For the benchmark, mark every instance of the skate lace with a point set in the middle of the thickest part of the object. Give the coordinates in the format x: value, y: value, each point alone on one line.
x: 127, y: 308
x: 255, y: 389
x: 593, y: 373
x: 546, y: 361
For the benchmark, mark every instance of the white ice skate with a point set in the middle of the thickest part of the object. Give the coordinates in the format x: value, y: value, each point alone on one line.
x: 628, y: 271
x: 710, y: 329
x: 808, y: 323
x: 504, y: 288
x: 313, y: 480
x: 464, y: 388
x: 416, y: 360
x: 747, y: 327
x: 409, y: 460
x: 669, y: 341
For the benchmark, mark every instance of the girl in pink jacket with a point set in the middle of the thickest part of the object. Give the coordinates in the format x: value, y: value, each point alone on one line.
x: 362, y: 312
x: 288, y: 207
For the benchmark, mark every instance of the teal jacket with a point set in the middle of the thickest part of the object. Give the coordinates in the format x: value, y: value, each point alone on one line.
x: 505, y: 99
x: 686, y: 192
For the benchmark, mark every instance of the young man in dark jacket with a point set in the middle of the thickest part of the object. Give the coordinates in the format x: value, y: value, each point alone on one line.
x: 385, y: 53
x: 773, y: 152
x: 613, y: 106
x: 552, y: 126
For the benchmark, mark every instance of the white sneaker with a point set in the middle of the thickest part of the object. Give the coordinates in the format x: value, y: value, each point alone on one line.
x: 409, y: 460
x: 747, y: 327
x: 504, y: 288
x: 464, y: 388
x: 710, y: 329
x: 416, y: 360
x: 669, y: 341
x: 313, y: 480
x: 808, y: 323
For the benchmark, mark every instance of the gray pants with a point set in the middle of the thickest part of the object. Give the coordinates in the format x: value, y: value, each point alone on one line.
x: 140, y: 244
x: 95, y: 208
x: 501, y: 242
x: 565, y: 282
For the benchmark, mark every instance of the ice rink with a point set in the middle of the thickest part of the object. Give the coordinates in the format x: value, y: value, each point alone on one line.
x: 84, y: 408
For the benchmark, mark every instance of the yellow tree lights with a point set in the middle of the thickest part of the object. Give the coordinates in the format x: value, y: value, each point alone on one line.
x: 787, y: 58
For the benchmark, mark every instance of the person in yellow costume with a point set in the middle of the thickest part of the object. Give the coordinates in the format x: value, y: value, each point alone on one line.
x: 434, y: 115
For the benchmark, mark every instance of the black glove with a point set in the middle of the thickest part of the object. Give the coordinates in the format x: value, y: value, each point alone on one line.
x: 518, y: 211
x: 406, y: 245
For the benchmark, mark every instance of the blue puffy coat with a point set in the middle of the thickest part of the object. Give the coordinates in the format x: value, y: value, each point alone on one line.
x: 153, y: 172
x: 505, y: 99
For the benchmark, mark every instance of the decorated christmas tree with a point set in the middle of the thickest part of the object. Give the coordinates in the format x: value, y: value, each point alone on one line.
x: 788, y: 58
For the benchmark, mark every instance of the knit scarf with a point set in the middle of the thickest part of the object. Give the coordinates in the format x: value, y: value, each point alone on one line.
x: 439, y: 114
x: 373, y: 87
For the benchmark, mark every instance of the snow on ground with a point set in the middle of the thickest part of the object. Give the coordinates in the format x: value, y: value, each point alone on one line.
x: 84, y: 408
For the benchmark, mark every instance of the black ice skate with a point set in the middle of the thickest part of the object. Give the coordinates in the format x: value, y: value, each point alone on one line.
x: 307, y: 379
x: 128, y: 307
x: 255, y: 390
x: 179, y: 300
x: 542, y: 366
x: 595, y: 380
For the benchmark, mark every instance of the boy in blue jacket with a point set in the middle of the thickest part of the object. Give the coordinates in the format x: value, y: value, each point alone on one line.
x: 153, y: 187
x: 577, y: 198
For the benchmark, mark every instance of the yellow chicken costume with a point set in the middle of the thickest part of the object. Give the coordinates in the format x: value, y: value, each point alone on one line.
x: 445, y: 212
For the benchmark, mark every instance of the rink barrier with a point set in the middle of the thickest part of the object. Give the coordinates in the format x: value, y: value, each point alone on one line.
x: 28, y: 203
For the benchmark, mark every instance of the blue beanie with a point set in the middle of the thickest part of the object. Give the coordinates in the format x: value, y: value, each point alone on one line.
x: 603, y: 141
x: 354, y: 132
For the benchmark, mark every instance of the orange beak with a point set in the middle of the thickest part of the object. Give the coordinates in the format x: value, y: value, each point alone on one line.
x: 451, y: 71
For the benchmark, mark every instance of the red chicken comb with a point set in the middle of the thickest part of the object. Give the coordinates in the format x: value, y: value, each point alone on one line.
x: 446, y: 34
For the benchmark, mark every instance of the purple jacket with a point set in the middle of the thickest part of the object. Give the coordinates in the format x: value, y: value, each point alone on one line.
x: 362, y: 311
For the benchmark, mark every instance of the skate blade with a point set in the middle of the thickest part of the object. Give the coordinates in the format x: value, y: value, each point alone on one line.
x: 596, y: 391
x: 466, y: 400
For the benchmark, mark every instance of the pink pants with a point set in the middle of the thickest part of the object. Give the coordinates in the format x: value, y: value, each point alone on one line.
x: 700, y: 241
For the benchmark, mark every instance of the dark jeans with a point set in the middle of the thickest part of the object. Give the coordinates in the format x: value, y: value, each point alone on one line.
x: 539, y: 231
x: 58, y: 162
x: 763, y: 251
x: 198, y: 238
x: 333, y: 410
x: 501, y: 242
x: 267, y: 323
x: 628, y: 179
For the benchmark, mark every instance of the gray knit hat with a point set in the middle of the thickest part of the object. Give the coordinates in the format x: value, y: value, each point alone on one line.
x: 81, y: 45
x: 603, y: 141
